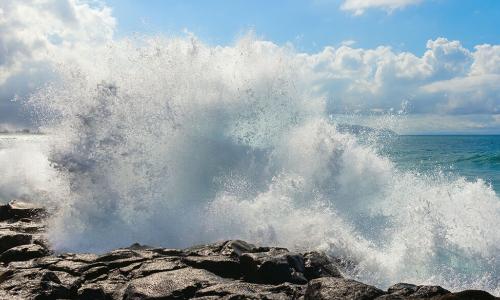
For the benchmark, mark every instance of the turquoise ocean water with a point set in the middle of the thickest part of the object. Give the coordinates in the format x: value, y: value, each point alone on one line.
x: 470, y: 156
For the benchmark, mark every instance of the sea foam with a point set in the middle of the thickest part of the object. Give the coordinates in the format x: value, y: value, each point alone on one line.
x: 172, y: 142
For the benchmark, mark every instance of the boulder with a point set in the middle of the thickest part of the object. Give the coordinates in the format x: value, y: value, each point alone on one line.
x: 319, y: 265
x: 333, y: 288
x: 402, y: 289
x: 9, y: 239
x: 177, y: 284
x: 18, y: 210
x: 23, y: 252
x: 274, y: 267
x: 245, y: 290
x: 469, y: 294
x: 429, y: 292
x: 220, y: 265
x: 223, y: 270
x: 157, y: 265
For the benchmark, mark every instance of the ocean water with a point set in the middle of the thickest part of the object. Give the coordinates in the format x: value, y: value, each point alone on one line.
x: 470, y: 156
x: 173, y: 142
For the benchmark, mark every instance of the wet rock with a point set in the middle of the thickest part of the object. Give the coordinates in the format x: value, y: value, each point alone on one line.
x: 95, y: 272
x: 72, y: 267
x: 402, y: 289
x: 274, y: 266
x: 332, y: 288
x: 469, y: 295
x: 177, y: 284
x: 23, y: 252
x: 319, y: 265
x: 120, y: 258
x: 429, y: 292
x: 245, y: 290
x: 236, y: 248
x: 91, y: 292
x: 39, y: 284
x: 10, y: 239
x: 224, y: 270
x: 205, y: 250
x: 218, y: 264
x: 18, y: 210
x: 158, y: 265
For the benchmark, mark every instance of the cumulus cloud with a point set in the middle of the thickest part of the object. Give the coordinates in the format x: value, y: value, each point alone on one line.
x: 358, y: 7
x: 33, y: 33
x: 447, y: 79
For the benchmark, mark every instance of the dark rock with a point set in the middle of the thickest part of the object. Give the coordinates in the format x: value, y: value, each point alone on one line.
x: 137, y: 246
x: 223, y: 270
x: 17, y: 210
x: 402, y: 289
x: 23, y: 252
x: 236, y: 248
x: 319, y: 265
x: 469, y: 295
x: 91, y: 292
x: 9, y: 239
x: 168, y: 252
x: 429, y: 292
x: 158, y: 265
x: 220, y: 265
x: 72, y: 267
x: 95, y: 272
x: 245, y: 290
x: 177, y: 284
x: 120, y: 258
x: 275, y: 266
x: 205, y: 250
x: 40, y: 284
x: 332, y: 288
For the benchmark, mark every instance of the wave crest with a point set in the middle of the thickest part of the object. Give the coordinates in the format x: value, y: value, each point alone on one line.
x: 176, y: 142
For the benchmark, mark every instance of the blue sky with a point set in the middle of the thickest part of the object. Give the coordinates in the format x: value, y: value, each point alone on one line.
x: 312, y: 25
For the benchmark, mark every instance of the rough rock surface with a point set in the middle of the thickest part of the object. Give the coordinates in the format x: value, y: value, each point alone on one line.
x: 225, y: 270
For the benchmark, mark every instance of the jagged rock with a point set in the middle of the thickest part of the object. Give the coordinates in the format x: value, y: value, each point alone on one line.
x: 274, y: 266
x: 205, y: 250
x: 23, y: 252
x: 223, y: 270
x: 218, y: 264
x: 245, y: 290
x: 95, y: 272
x: 402, y: 289
x: 332, y: 288
x: 411, y: 291
x: 158, y: 265
x: 120, y: 258
x: 319, y: 265
x: 429, y: 292
x: 237, y: 248
x: 91, y: 292
x: 39, y: 284
x: 18, y: 210
x: 468, y: 295
x: 177, y: 284
x: 9, y: 239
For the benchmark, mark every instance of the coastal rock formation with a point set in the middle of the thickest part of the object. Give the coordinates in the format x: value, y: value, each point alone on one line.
x: 229, y: 270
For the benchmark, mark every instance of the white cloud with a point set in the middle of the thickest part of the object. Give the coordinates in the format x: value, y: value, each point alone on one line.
x: 348, y: 43
x: 35, y: 32
x: 447, y: 79
x: 358, y: 7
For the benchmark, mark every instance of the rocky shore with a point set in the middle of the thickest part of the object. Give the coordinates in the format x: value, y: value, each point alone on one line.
x: 229, y: 270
